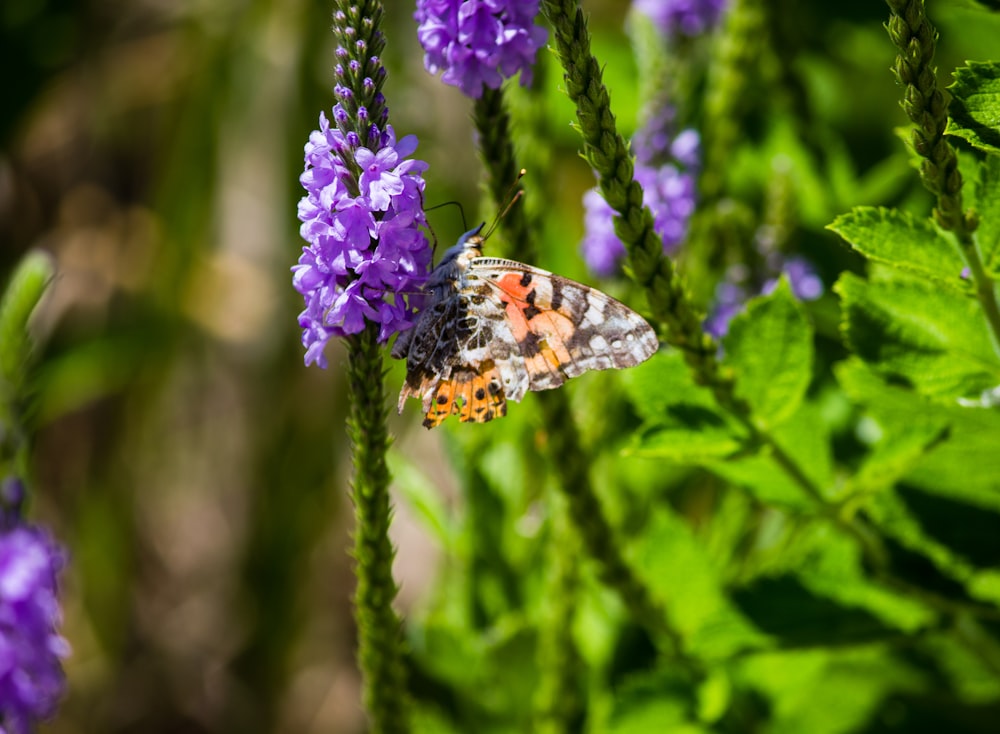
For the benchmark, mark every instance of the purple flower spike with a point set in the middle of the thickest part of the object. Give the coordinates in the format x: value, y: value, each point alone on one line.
x: 479, y: 42
x: 362, y: 213
x: 31, y: 676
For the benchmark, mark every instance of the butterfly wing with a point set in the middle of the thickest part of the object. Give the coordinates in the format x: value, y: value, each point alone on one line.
x: 564, y: 328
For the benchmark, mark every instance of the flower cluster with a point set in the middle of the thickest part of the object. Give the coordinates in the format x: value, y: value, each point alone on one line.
x: 666, y: 168
x: 361, y: 215
x: 31, y: 677
x: 479, y: 42
x: 681, y: 17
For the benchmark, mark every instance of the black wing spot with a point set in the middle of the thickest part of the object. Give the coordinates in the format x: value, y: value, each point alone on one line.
x: 556, y: 297
x: 480, y: 394
x: 525, y: 280
x: 531, y: 345
x: 494, y: 388
x: 531, y: 312
x: 442, y: 399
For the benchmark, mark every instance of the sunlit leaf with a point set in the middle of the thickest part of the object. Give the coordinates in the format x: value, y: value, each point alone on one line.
x: 975, y: 105
x: 769, y: 347
x: 903, y: 241
x: 928, y: 337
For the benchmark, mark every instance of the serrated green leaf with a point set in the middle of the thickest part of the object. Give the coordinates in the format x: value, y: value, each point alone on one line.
x: 825, y: 691
x: 898, y: 239
x: 969, y: 435
x: 769, y: 347
x: 662, y: 382
x: 893, y: 456
x: 986, y: 203
x: 931, y: 338
x: 974, y: 111
x: 805, y: 437
x: 679, y: 571
x: 681, y: 419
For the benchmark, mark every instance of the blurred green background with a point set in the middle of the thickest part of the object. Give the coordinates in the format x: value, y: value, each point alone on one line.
x: 195, y: 469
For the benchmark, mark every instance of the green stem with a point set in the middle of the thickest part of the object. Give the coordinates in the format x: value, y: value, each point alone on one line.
x: 599, y: 538
x: 559, y: 705
x: 925, y: 104
x: 380, y: 639
x: 573, y: 465
x: 608, y: 153
x: 500, y: 164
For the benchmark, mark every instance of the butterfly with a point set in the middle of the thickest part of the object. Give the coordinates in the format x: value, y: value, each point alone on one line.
x: 493, y: 329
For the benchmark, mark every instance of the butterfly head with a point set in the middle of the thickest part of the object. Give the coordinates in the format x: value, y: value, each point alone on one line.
x: 468, y: 247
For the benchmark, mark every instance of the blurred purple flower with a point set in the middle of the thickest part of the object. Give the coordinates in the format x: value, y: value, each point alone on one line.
x: 31, y: 676
x: 361, y: 219
x: 682, y: 17
x: 736, y: 289
x: 479, y: 42
x: 668, y: 190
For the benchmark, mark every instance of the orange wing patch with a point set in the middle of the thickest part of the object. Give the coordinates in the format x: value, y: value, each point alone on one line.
x: 542, y: 331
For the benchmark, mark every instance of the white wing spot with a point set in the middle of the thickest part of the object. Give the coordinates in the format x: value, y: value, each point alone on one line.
x: 598, y: 343
x: 617, y: 344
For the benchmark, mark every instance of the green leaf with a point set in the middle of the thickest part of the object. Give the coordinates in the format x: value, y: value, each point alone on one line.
x: 652, y: 701
x: 679, y: 571
x: 681, y: 421
x: 805, y: 437
x: 968, y: 435
x: 825, y: 691
x: 22, y: 294
x: 898, y: 239
x: 769, y: 347
x: 974, y: 111
x: 931, y: 338
x: 424, y: 499
x: 893, y: 457
x: 764, y: 479
x: 986, y: 202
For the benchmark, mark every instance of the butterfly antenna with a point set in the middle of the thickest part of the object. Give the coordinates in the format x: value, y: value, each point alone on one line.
x: 461, y: 211
x: 512, y: 197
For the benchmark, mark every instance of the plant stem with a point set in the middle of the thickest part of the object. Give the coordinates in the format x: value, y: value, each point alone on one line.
x: 571, y: 463
x: 380, y: 638
x: 925, y: 104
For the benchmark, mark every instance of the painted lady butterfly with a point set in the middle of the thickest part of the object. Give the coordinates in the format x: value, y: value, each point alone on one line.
x: 492, y: 329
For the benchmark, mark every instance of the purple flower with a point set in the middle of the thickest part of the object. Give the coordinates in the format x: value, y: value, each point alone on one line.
x: 681, y: 17
x: 738, y: 287
x: 479, y: 42
x: 361, y: 215
x: 31, y: 677
x: 668, y: 190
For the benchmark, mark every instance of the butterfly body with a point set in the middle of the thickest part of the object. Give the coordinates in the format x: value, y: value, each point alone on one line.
x: 493, y: 329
